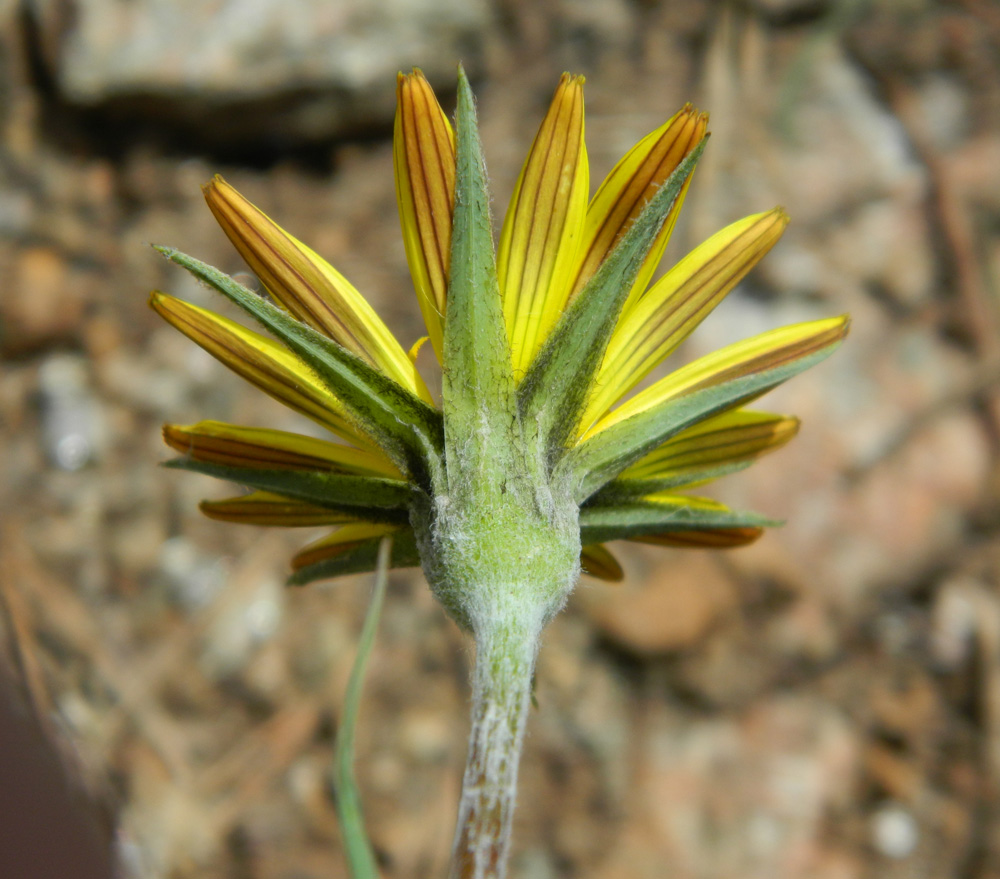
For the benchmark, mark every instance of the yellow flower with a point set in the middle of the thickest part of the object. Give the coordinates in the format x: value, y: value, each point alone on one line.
x: 555, y: 242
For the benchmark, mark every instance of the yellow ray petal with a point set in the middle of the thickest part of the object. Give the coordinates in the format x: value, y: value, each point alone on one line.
x: 729, y: 438
x: 707, y: 538
x: 678, y: 302
x: 308, y: 286
x: 267, y: 509
x: 766, y: 351
x: 541, y: 234
x: 261, y: 362
x: 235, y: 446
x: 424, y: 162
x: 339, y: 542
x: 416, y: 347
x: 683, y: 501
x: 597, y: 561
x: 628, y: 187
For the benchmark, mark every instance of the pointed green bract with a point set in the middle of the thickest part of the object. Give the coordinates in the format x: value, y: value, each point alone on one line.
x: 365, y: 497
x: 404, y: 426
x: 361, y: 559
x: 554, y: 391
x: 480, y: 410
x: 713, y: 384
x: 653, y: 516
x: 622, y: 489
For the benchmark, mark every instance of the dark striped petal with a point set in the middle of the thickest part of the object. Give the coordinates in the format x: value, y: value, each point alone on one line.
x: 710, y: 385
x: 625, y: 191
x: 541, y: 235
x: 656, y: 324
x: 309, y: 287
x: 235, y: 446
x: 268, y: 509
x: 353, y: 549
x: 424, y: 161
x: 597, y: 561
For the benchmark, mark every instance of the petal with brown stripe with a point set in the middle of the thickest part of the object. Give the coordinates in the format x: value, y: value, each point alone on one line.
x: 235, y: 446
x: 340, y: 541
x: 309, y: 287
x: 424, y: 163
x: 656, y: 324
x: 271, y: 510
x: 262, y: 362
x: 730, y: 438
x: 758, y: 355
x: 542, y: 230
x: 597, y: 561
x: 625, y: 191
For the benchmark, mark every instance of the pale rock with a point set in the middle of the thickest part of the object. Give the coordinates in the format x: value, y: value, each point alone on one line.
x: 912, y: 505
x: 955, y: 620
x: 194, y: 577
x: 606, y: 24
x: 844, y: 149
x: 39, y: 305
x: 846, y: 141
x: 73, y: 427
x: 315, y: 69
x: 250, y: 616
x: 136, y: 543
x: 744, y: 798
x: 885, y: 243
x: 677, y: 605
x: 782, y: 8
x: 944, y: 105
x: 895, y: 832
x: 425, y: 735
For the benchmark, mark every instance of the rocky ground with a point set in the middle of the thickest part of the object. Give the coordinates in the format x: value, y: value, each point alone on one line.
x: 822, y: 705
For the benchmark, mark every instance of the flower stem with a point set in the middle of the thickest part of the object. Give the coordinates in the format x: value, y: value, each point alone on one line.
x: 501, y: 694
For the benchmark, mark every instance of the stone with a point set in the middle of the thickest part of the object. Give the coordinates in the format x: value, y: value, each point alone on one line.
x: 721, y: 798
x: 677, y: 605
x: 136, y: 544
x: 895, y: 832
x: 73, y: 429
x: 38, y: 306
x: 782, y: 9
x: 313, y: 69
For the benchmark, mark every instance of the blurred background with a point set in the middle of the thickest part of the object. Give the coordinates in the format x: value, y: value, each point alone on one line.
x: 824, y: 704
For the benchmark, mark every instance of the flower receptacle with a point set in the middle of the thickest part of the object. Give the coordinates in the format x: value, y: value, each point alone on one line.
x: 493, y: 563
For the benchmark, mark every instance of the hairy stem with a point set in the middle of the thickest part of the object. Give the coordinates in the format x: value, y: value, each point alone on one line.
x: 505, y: 661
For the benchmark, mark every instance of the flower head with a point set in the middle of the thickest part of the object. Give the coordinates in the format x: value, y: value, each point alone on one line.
x: 541, y: 347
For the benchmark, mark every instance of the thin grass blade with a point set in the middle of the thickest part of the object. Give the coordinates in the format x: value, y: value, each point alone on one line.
x: 358, y: 848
